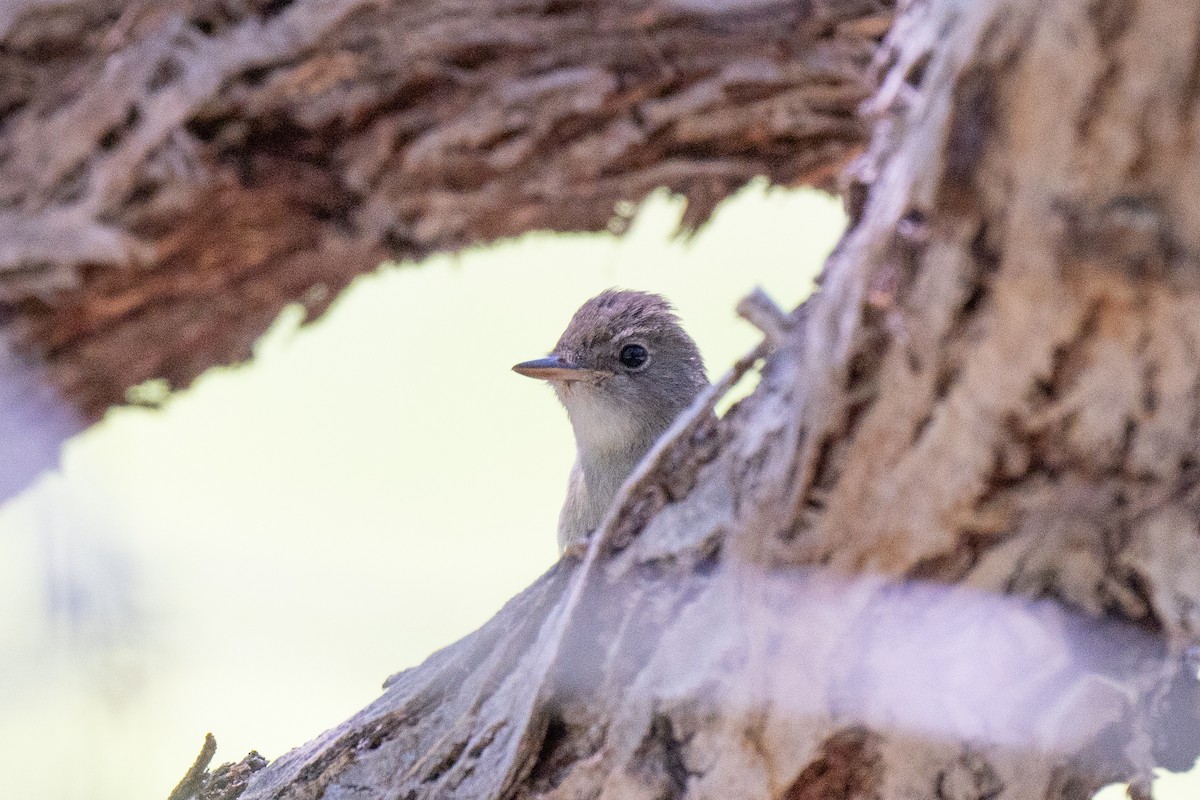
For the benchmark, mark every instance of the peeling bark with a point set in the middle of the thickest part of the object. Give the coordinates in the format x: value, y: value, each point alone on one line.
x: 173, y: 173
x: 948, y: 547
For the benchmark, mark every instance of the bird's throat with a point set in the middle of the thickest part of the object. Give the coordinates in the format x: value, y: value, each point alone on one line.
x: 604, y: 430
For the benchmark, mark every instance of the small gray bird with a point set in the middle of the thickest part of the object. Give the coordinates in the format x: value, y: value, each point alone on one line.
x: 624, y: 369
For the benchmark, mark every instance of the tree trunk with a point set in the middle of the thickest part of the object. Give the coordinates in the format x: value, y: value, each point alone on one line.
x: 173, y: 173
x: 949, y: 546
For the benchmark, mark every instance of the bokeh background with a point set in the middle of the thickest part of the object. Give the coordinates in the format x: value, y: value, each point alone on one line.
x: 254, y: 557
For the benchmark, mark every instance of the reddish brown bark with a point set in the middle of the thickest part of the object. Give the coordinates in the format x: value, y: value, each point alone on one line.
x: 171, y: 174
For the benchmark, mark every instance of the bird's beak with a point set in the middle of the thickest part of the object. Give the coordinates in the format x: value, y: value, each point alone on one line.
x: 554, y: 368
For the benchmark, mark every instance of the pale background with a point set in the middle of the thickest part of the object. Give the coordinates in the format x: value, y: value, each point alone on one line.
x: 256, y: 557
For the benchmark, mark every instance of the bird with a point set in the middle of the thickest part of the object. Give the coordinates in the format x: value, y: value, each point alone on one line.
x: 624, y: 369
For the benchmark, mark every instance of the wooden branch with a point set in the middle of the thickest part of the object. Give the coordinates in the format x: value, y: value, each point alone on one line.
x: 173, y: 173
x: 193, y: 779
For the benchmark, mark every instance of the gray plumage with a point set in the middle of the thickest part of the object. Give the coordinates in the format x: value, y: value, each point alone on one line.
x: 617, y: 408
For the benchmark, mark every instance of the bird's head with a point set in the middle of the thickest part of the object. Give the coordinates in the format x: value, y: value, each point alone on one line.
x: 624, y: 368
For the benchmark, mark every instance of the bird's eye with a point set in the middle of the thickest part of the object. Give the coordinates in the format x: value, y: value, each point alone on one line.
x: 634, y: 355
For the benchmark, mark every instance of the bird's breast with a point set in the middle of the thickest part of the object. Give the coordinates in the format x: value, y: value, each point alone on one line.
x: 602, y: 426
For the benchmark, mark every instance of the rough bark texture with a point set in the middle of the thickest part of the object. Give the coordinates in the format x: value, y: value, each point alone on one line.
x: 173, y: 173
x: 950, y: 547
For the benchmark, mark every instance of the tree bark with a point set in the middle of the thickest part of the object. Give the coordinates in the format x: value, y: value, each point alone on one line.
x: 173, y: 173
x: 949, y: 546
